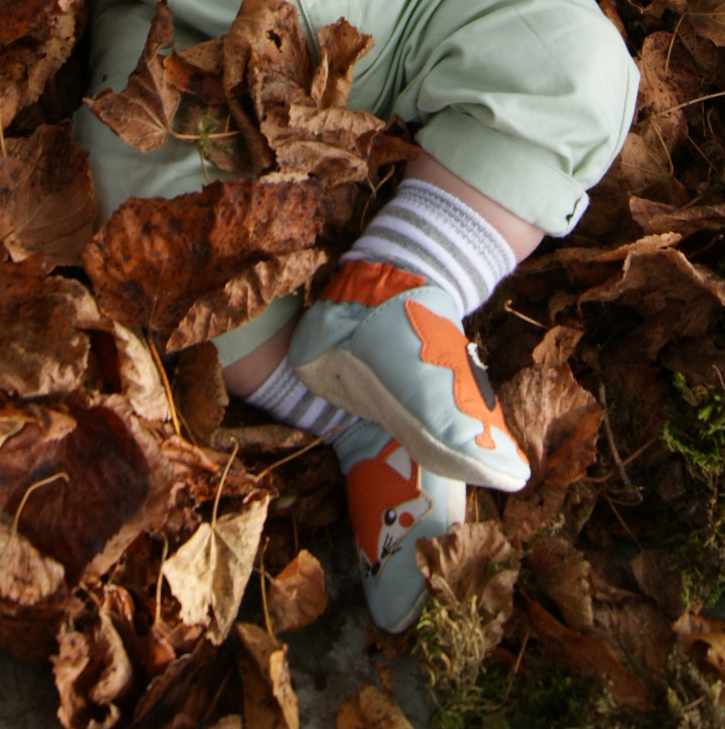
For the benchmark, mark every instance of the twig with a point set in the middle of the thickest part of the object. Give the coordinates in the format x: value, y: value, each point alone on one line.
x: 235, y: 450
x: 159, y: 579
x: 626, y: 462
x: 701, y: 153
x: 3, y: 149
x: 621, y: 520
x: 256, y: 479
x: 26, y: 495
x: 508, y: 308
x: 658, y: 132
x: 719, y: 376
x: 167, y: 385
x: 691, y: 102
x: 263, y: 588
x: 199, y: 137
x: 610, y: 439
x: 516, y: 667
x: 672, y: 42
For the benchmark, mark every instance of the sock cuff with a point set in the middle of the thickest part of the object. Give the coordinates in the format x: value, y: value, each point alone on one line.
x: 431, y: 232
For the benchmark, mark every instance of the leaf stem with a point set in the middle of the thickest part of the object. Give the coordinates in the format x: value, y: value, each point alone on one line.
x: 198, y: 137
x: 159, y: 580
x: 263, y: 589
x: 256, y: 479
x: 165, y: 382
x: 508, y: 308
x: 235, y: 450
x: 3, y: 149
x: 29, y: 491
x: 691, y: 102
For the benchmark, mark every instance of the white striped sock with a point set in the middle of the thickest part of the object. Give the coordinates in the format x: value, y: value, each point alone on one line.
x: 284, y: 396
x: 428, y: 231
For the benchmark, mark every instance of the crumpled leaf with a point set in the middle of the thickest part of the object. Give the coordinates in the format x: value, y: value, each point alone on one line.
x: 692, y: 629
x: 655, y: 217
x: 12, y: 421
x: 461, y: 564
x: 20, y: 19
x: 245, y: 296
x: 209, y: 573
x: 26, y: 66
x: 198, y: 71
x: 371, y: 708
x: 589, y: 655
x: 91, y: 673
x: 297, y: 595
x: 171, y: 252
x: 269, y: 699
x: 678, y: 298
x: 143, y: 113
x: 47, y: 206
x: 564, y: 575
x: 199, y: 390
x: 28, y: 577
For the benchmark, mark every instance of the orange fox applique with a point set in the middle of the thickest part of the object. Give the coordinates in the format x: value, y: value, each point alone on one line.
x: 444, y: 345
x: 381, y: 517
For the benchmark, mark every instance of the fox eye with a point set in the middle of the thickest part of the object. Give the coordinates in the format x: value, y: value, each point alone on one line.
x: 391, y: 517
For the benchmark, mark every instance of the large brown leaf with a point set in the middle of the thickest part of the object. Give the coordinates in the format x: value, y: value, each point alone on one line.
x: 47, y: 199
x: 20, y: 19
x: 209, y: 573
x: 245, y: 296
x: 656, y: 217
x: 143, y: 113
x: 26, y: 66
x: 708, y: 19
x: 155, y: 257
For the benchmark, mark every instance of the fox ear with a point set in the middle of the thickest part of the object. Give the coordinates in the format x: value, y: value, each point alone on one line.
x: 399, y: 460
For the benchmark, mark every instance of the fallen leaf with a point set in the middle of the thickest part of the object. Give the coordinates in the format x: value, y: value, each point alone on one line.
x: 47, y: 198
x: 198, y: 71
x: 659, y: 578
x: 143, y: 113
x: 708, y: 19
x: 229, y: 722
x: 168, y: 253
x: 269, y: 699
x: 26, y: 66
x: 564, y: 575
x: 92, y: 671
x: 371, y: 708
x: 692, y: 629
x: 209, y: 573
x: 199, y: 389
x: 655, y: 217
x: 297, y: 595
x: 20, y: 19
x: 245, y: 296
x: 589, y: 655
x: 473, y: 560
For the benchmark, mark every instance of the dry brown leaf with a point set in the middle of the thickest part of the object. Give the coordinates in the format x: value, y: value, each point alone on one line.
x: 26, y: 66
x: 371, y: 708
x: 269, y: 699
x: 589, y: 655
x: 116, y: 487
x: 198, y: 71
x: 28, y: 577
x: 297, y: 595
x: 659, y: 578
x: 341, y: 47
x: 473, y: 560
x: 692, y: 629
x: 199, y: 390
x: 209, y: 573
x: 229, y: 722
x: 143, y: 113
x: 564, y: 575
x: 46, y: 206
x: 91, y: 673
x: 708, y: 19
x: 271, y: 439
x: 655, y: 217
x: 154, y: 257
x: 13, y: 420
x: 20, y: 19
x: 245, y: 296
x: 677, y: 298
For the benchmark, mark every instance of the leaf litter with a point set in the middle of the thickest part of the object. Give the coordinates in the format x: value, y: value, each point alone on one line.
x: 596, y: 595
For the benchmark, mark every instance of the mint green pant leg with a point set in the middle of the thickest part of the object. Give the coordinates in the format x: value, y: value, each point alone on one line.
x: 118, y: 34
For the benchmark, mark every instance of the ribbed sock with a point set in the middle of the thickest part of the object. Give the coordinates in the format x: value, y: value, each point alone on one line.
x: 428, y: 231
x: 284, y: 396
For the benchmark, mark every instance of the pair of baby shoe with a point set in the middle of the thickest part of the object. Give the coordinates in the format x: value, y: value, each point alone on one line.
x: 384, y: 344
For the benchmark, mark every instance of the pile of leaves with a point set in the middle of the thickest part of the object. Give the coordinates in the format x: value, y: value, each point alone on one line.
x: 142, y: 516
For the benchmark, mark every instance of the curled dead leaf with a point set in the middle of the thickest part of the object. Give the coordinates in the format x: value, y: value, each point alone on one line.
x: 297, y: 595
x: 269, y: 699
x: 209, y: 573
x: 143, y: 113
x: 371, y: 708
